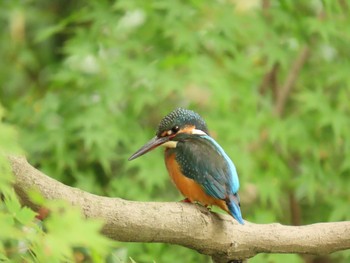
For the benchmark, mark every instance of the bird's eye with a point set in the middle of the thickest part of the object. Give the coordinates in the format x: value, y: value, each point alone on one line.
x: 175, y: 129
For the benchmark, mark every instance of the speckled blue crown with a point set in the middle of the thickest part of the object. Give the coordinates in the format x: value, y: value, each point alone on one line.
x: 182, y: 117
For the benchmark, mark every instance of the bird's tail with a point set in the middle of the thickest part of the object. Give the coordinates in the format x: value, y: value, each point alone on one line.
x: 233, y: 205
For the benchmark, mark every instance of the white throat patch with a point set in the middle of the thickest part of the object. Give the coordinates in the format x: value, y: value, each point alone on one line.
x: 199, y: 132
x: 170, y: 144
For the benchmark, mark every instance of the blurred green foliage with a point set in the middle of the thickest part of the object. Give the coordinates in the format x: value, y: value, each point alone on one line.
x: 59, y: 238
x: 86, y: 83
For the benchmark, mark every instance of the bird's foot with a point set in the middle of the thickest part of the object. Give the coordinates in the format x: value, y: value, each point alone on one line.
x: 43, y: 213
x: 208, y: 207
x: 186, y: 200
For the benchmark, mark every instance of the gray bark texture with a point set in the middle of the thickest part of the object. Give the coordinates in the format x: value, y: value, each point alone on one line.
x: 188, y: 225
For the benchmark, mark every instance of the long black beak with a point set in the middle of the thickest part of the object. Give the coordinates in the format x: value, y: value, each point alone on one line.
x: 152, y: 144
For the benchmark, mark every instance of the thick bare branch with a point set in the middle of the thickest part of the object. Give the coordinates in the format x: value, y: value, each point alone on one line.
x: 185, y: 224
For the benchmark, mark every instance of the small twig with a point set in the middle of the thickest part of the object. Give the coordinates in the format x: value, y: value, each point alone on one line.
x: 270, y: 80
x: 288, y: 85
x: 344, y: 5
x: 265, y: 7
x: 294, y: 209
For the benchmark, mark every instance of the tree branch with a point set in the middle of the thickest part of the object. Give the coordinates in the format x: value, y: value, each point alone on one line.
x: 184, y: 224
x: 290, y: 80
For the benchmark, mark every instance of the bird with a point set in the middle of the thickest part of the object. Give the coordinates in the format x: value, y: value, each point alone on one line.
x: 196, y: 163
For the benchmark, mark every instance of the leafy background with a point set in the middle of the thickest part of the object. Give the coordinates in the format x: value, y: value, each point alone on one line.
x: 85, y: 83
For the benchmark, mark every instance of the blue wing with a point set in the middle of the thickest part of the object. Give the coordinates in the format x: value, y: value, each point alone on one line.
x: 202, y: 159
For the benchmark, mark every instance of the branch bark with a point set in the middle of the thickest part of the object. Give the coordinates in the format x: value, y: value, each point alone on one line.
x: 184, y: 224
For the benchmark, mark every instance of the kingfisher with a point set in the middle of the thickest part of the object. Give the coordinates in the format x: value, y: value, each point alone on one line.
x: 196, y: 163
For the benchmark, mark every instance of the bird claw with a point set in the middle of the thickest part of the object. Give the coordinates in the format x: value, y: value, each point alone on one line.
x: 208, y: 207
x: 186, y: 200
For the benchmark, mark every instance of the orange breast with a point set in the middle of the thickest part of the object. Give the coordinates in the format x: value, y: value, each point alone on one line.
x: 188, y: 187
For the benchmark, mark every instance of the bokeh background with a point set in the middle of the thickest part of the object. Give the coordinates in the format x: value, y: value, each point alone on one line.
x: 85, y: 83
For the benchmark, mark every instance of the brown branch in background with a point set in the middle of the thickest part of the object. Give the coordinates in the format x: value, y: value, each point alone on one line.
x: 274, y: 81
x: 294, y: 206
x: 282, y: 95
x: 288, y: 85
x: 294, y: 209
x: 270, y: 81
x: 266, y: 4
x: 188, y: 225
x: 344, y: 5
x: 265, y: 7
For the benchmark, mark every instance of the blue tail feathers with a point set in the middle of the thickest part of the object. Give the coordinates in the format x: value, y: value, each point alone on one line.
x: 234, y: 206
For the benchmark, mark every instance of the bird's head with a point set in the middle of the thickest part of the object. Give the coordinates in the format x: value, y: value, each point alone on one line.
x: 177, y: 122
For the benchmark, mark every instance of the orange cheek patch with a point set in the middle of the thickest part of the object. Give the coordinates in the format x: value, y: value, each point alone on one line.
x: 187, y: 129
